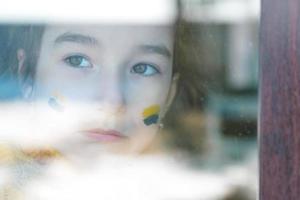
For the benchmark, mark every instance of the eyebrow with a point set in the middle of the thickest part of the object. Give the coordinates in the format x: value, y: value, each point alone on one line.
x: 77, y: 38
x: 158, y: 49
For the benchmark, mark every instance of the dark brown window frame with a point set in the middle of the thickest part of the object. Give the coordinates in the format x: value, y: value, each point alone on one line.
x: 279, y: 118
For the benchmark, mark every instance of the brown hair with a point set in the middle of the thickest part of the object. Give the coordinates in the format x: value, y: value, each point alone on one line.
x: 27, y: 37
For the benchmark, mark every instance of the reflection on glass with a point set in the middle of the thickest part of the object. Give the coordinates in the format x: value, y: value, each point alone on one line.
x: 162, y: 111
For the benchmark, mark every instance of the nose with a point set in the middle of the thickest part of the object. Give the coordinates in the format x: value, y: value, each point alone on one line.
x: 110, y: 93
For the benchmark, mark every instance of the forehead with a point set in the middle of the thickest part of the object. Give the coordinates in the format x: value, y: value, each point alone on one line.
x: 117, y: 35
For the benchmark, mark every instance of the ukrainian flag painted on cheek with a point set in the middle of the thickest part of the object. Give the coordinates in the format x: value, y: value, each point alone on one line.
x: 55, y: 102
x: 151, y: 115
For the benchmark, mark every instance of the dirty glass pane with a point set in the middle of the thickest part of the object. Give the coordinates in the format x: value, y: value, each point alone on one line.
x: 135, y: 100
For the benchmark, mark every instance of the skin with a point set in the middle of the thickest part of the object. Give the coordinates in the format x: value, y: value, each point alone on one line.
x: 112, y: 73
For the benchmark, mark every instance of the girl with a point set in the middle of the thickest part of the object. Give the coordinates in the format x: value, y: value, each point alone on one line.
x: 95, y: 88
x: 105, y: 87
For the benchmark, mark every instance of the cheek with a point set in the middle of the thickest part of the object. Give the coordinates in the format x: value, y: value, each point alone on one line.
x: 145, y: 116
x: 148, y: 91
x: 56, y: 101
x: 65, y: 86
x: 151, y: 114
x: 146, y: 101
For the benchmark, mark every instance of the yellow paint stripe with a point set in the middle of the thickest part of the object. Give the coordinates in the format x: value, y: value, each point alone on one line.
x: 151, y: 111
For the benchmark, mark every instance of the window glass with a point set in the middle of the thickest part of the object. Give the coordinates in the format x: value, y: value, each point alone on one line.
x: 129, y: 100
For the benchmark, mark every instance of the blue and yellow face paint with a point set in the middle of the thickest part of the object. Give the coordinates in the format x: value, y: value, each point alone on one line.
x: 55, y: 102
x: 151, y: 115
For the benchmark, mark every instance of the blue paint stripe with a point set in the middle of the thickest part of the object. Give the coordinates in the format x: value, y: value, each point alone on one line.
x: 153, y: 119
x: 53, y: 104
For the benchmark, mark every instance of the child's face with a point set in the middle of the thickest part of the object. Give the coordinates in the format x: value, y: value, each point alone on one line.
x: 120, y: 75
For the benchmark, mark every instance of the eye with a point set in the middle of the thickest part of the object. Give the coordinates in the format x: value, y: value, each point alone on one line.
x: 78, y: 61
x: 144, y: 69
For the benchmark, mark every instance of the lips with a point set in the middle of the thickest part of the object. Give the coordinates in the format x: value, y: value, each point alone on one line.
x: 102, y: 135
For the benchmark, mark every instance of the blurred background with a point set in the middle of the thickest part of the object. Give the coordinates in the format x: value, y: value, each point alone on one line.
x: 218, y: 126
x: 212, y: 126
